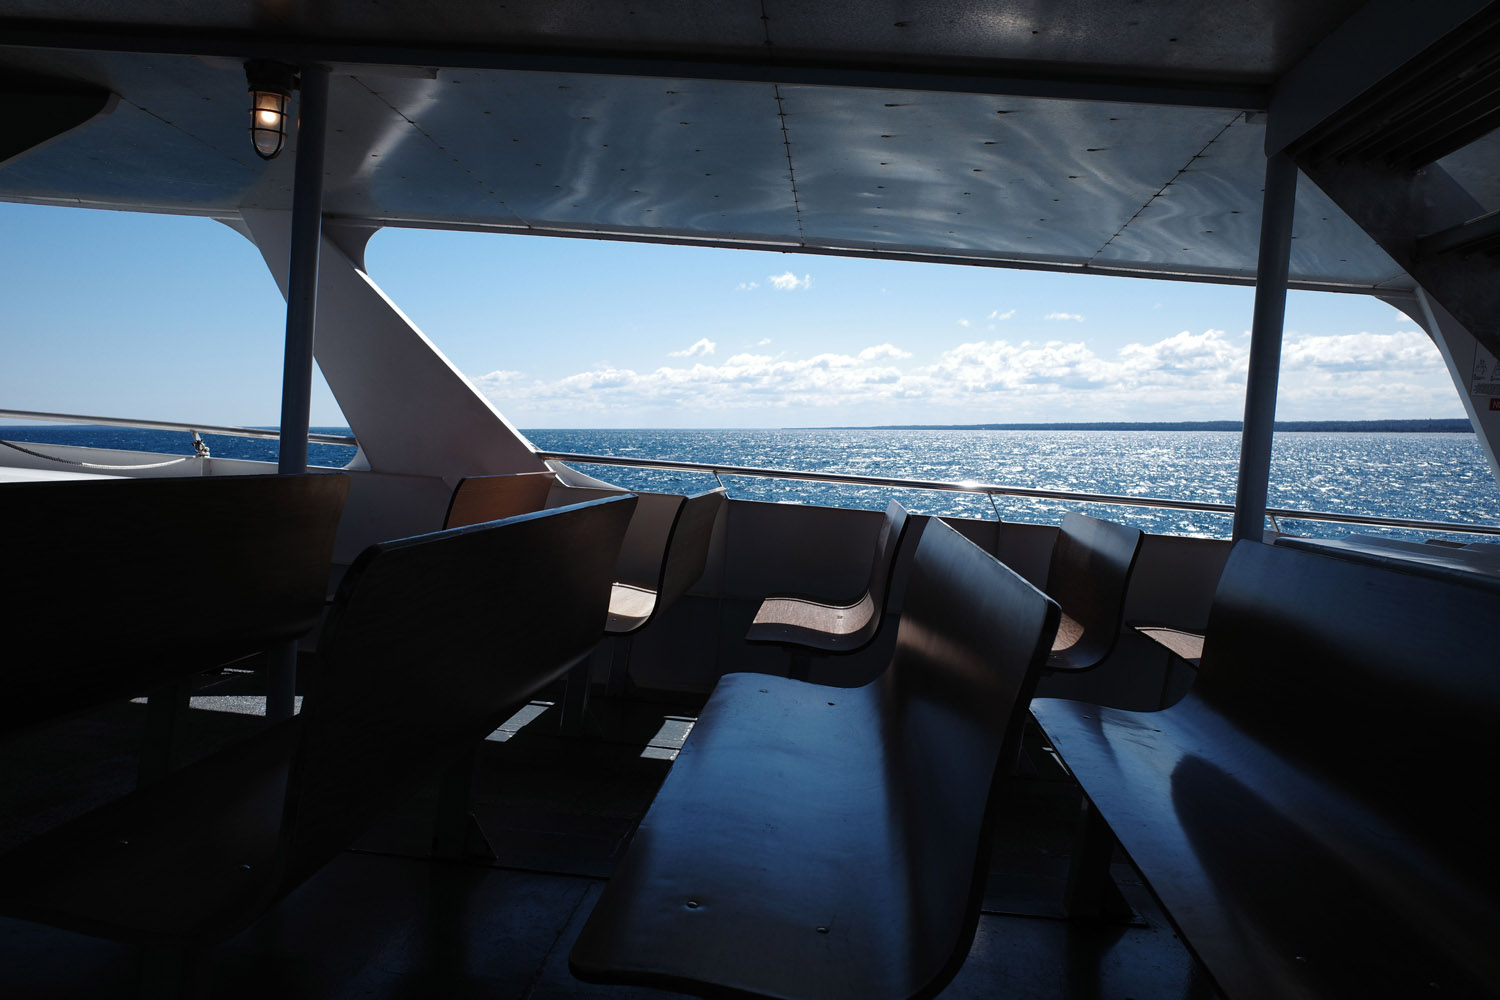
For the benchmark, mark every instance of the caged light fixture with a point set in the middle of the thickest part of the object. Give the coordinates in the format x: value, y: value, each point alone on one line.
x: 271, y: 86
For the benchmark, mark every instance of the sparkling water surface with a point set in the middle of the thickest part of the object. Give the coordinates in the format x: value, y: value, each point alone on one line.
x: 1436, y: 477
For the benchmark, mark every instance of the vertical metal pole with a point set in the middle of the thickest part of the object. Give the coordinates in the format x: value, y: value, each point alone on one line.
x: 301, y: 312
x: 1278, y: 203
x: 302, y: 271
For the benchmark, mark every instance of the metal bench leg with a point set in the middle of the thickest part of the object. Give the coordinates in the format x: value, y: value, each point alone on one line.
x: 166, y: 716
x: 281, y: 681
x: 800, y: 668
x: 618, y: 684
x: 1091, y: 894
x: 168, y: 972
x: 456, y: 834
x: 576, y: 696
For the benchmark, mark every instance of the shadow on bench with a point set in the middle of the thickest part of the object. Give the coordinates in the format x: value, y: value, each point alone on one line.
x: 815, y: 841
x: 1316, y: 815
x: 431, y: 643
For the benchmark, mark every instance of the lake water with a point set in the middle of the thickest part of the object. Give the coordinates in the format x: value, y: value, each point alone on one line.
x: 1438, y: 477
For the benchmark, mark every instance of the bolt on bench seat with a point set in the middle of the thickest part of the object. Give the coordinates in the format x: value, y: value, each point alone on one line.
x: 431, y: 643
x: 1316, y: 816
x: 816, y: 841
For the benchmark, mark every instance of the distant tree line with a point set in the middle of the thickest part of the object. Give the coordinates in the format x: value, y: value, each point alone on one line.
x: 1457, y: 425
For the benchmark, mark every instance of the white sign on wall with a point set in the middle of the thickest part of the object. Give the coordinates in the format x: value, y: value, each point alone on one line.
x: 1484, y: 377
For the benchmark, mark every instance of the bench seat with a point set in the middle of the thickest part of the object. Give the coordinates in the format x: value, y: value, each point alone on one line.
x: 791, y: 867
x: 431, y: 643
x: 132, y: 584
x: 1316, y: 815
x: 819, y: 841
x: 819, y: 625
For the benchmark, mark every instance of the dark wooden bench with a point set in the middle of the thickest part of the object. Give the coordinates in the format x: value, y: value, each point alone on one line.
x: 1088, y: 576
x: 477, y: 499
x: 809, y: 625
x: 432, y: 641
x: 664, y: 553
x: 658, y: 564
x: 128, y: 586
x: 669, y: 564
x: 816, y: 841
x: 1476, y: 565
x: 1317, y: 815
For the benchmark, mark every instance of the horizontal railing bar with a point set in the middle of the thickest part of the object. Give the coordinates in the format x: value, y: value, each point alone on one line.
x: 991, y: 489
x: 167, y: 425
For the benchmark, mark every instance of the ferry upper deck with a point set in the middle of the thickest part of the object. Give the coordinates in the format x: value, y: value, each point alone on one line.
x: 1336, y: 145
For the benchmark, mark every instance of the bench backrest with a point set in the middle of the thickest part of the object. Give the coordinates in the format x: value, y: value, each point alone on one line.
x: 131, y: 582
x: 883, y: 565
x: 431, y: 643
x: 1088, y: 576
x: 1386, y: 683
x: 969, y: 648
x: 687, y: 546
x: 477, y: 499
x: 665, y: 551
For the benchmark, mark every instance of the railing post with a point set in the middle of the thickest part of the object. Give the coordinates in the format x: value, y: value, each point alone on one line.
x: 1278, y: 204
x: 301, y: 314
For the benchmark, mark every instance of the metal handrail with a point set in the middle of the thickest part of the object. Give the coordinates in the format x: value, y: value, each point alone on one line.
x: 168, y: 425
x: 990, y: 489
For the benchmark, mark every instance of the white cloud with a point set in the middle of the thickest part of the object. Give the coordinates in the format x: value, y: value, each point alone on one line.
x: 1210, y: 350
x: 762, y: 342
x: 965, y: 323
x: 749, y: 286
x: 703, y: 347
x: 1184, y: 376
x: 1363, y: 352
x: 997, y: 314
x: 1361, y: 375
x: 498, y: 378
x: 789, y: 282
x: 1061, y: 315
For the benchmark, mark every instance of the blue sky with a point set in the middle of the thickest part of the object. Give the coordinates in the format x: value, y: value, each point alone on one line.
x: 177, y: 319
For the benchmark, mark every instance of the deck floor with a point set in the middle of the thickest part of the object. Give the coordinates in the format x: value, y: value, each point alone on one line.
x: 385, y: 921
